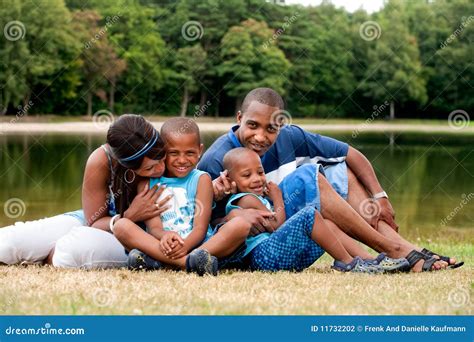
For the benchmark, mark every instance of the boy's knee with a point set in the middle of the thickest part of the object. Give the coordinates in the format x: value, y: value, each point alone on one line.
x: 120, y: 229
x: 241, y: 226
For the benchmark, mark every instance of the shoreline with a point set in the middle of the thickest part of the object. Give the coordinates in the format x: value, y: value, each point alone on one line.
x: 100, y: 128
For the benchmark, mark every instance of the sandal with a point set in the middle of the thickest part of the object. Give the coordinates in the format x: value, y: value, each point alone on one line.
x: 357, y: 265
x: 390, y: 265
x: 414, y: 256
x: 443, y: 258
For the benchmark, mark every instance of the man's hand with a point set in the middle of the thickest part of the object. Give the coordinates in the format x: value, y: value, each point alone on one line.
x: 144, y: 206
x: 169, y: 242
x: 385, y: 213
x: 257, y: 218
x: 223, y: 186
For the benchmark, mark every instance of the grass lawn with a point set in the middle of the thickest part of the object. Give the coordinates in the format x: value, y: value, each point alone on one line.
x: 315, y: 291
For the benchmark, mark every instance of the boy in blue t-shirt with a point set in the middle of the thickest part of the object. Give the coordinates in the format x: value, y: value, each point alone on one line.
x: 246, y: 170
x: 182, y: 234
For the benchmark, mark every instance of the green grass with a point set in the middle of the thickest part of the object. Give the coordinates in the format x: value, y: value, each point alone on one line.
x: 315, y: 291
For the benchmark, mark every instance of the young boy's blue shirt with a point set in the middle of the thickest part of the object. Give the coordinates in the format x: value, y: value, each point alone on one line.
x: 180, y: 216
x: 251, y: 241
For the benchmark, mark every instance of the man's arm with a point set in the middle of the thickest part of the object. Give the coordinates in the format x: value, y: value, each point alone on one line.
x: 363, y: 170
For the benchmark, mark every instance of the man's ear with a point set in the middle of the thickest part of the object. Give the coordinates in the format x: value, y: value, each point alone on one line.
x: 239, y: 117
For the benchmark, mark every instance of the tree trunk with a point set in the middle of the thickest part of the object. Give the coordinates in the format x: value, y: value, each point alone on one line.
x: 392, y: 110
x: 89, y: 103
x: 4, y: 105
x: 202, y: 102
x: 26, y: 104
x: 112, y: 96
x: 184, y: 102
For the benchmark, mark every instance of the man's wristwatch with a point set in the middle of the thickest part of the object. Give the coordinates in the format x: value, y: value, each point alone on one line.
x: 380, y: 195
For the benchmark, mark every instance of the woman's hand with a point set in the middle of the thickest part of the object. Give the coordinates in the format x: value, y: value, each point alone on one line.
x: 144, y: 206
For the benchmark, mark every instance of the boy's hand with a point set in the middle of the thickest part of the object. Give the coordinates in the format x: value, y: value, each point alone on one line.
x: 170, y: 241
x: 273, y: 191
x: 223, y: 186
x: 144, y: 206
x: 179, y: 252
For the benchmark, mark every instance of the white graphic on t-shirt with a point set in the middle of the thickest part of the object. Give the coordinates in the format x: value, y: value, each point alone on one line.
x: 178, y: 218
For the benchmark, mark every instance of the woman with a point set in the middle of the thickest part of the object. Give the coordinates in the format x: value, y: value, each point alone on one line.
x: 106, y: 183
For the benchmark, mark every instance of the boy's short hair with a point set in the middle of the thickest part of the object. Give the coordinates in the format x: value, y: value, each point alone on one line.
x: 235, y: 154
x: 176, y: 127
x: 266, y: 96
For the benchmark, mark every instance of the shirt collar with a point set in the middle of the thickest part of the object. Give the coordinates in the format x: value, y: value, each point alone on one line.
x: 233, y: 138
x: 235, y: 141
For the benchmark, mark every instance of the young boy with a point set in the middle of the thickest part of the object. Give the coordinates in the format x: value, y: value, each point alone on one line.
x: 246, y: 170
x: 180, y: 231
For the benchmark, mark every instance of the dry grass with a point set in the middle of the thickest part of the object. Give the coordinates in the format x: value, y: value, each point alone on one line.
x: 316, y: 291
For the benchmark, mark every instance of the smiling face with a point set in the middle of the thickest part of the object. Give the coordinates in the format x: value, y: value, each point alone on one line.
x: 257, y: 131
x: 151, y: 168
x: 248, y: 174
x: 182, y: 154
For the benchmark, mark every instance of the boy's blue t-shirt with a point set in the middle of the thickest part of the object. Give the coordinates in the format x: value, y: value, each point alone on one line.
x: 293, y: 147
x: 251, y: 241
x: 180, y: 216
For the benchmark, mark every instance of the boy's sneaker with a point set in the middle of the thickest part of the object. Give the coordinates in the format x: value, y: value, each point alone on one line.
x: 201, y: 262
x: 357, y: 265
x: 137, y: 260
x: 390, y: 265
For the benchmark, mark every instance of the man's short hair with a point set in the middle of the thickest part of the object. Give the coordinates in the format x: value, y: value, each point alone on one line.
x: 266, y: 96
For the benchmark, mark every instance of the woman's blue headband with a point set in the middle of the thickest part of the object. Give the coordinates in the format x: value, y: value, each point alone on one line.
x: 144, y: 149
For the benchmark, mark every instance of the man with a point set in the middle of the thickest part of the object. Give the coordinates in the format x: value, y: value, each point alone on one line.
x: 283, y: 149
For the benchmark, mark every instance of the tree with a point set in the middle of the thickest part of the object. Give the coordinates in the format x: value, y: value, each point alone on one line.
x: 38, y: 44
x: 190, y: 65
x: 251, y: 60
x: 395, y: 72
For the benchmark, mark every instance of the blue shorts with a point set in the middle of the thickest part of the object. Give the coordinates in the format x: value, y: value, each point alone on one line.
x: 290, y: 248
x: 300, y: 188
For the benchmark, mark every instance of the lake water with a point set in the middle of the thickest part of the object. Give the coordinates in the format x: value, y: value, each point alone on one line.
x: 429, y: 178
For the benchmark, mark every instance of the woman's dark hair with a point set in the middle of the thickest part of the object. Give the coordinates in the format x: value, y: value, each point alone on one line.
x: 131, y: 138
